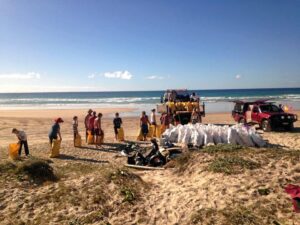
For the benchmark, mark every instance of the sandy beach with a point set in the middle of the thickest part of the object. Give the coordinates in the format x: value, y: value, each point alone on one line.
x: 186, y: 192
x: 37, y: 123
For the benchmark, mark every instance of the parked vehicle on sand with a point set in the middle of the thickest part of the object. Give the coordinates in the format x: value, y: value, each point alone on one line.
x: 268, y: 115
x: 180, y: 103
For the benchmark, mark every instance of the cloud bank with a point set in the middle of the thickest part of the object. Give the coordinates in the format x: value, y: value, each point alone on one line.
x: 22, y: 76
x: 124, y: 75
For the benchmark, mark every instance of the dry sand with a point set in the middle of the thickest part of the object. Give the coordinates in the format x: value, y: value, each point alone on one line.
x: 193, y: 195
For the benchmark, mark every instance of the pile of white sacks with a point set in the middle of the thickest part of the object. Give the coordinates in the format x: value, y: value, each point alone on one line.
x: 200, y: 135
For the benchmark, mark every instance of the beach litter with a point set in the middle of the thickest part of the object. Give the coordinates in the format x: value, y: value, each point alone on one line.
x: 157, y: 157
x: 199, y: 135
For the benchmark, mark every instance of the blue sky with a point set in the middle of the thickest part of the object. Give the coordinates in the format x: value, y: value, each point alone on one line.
x: 111, y: 45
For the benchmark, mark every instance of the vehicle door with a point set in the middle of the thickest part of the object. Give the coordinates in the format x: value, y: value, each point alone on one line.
x: 237, y: 112
x: 255, y: 114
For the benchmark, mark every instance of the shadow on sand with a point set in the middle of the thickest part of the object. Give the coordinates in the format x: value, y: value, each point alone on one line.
x: 101, y: 149
x: 73, y: 158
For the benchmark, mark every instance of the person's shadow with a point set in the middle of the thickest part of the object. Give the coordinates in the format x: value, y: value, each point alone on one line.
x: 73, y: 158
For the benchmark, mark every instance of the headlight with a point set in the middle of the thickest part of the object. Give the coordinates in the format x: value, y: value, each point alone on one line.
x: 282, y: 117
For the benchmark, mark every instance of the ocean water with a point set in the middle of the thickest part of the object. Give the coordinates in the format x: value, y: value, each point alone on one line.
x: 215, y: 100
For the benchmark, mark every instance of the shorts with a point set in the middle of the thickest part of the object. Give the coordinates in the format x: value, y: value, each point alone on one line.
x: 92, y: 131
x: 153, y: 123
x: 51, y: 138
x: 97, y: 132
x: 144, y: 128
x: 116, y: 130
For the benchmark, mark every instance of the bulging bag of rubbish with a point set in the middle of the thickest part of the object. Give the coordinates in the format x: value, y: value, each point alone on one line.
x: 55, y: 148
x: 186, y: 137
x: 231, y: 136
x: 158, y: 131
x: 245, y: 137
x: 90, y: 138
x: 173, y: 135
x: 223, y: 132
x: 13, y: 151
x: 140, y: 136
x: 181, y: 133
x: 256, y: 138
x: 234, y: 136
x: 120, y: 135
x: 216, y: 135
x: 197, y: 138
x: 78, y: 141
x: 209, y: 132
x: 151, y: 131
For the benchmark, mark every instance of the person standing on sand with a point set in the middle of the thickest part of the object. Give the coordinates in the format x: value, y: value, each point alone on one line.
x: 55, y: 130
x: 195, y: 118
x: 165, y: 120
x: 91, y: 123
x: 86, y: 123
x: 117, y: 124
x: 21, y: 135
x: 153, y: 117
x: 75, y: 127
x: 98, y: 129
x: 144, y: 121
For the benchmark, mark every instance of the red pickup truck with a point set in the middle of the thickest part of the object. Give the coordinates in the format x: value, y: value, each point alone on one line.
x: 268, y: 115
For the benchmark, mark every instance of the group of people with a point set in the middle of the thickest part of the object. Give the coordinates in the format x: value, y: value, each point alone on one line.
x: 93, y: 125
x: 166, y: 119
x: 54, y: 133
x: 172, y: 96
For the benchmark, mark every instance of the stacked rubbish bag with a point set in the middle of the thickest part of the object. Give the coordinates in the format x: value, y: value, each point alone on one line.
x: 200, y: 135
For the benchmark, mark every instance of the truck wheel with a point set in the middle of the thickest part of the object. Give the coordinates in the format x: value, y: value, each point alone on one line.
x: 242, y: 121
x: 265, y: 126
x: 289, y: 127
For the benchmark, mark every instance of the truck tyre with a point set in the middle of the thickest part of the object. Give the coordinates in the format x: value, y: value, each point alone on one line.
x: 266, y: 126
x: 289, y: 127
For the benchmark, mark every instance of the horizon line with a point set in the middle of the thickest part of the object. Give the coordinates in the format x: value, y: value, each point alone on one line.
x: 209, y: 89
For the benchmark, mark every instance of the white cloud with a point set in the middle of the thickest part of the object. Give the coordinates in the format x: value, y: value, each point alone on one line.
x: 238, y: 76
x: 155, y: 78
x: 124, y: 75
x: 92, y: 76
x: 22, y: 76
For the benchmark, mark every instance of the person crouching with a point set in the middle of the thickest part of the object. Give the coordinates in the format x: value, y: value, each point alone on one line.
x: 21, y: 135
